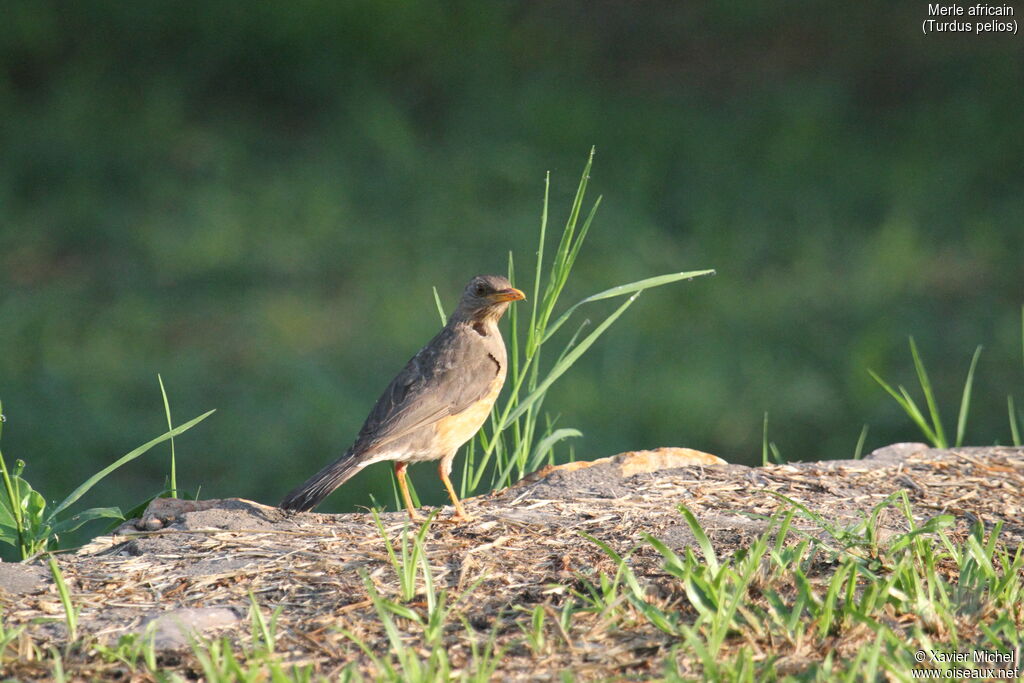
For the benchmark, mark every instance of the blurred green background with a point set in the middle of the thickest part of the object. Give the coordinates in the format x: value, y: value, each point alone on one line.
x: 254, y: 199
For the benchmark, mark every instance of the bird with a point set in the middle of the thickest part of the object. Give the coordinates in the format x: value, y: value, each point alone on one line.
x: 433, y: 406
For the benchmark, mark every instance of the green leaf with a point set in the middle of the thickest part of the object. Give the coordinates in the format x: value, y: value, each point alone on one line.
x: 75, y: 521
x: 170, y: 425
x: 929, y: 396
x: 908, y: 405
x: 1014, y: 429
x: 673, y: 565
x: 622, y: 290
x: 702, y: 540
x: 563, y: 365
x: 29, y: 509
x: 94, y: 479
x: 858, y: 450
x: 933, y: 525
x: 965, y: 400
x: 440, y: 308
x: 549, y: 441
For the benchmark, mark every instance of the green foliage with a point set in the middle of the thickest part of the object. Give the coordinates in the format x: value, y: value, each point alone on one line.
x: 8, y: 640
x: 70, y: 610
x: 222, y: 662
x: 403, y: 662
x: 412, y: 557
x: 932, y: 430
x: 514, y: 440
x: 25, y: 521
x: 173, y: 488
x: 873, y: 583
x: 131, y: 648
x: 264, y: 633
x: 769, y: 451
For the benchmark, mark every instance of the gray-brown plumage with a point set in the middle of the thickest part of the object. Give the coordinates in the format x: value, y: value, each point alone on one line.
x: 435, y: 404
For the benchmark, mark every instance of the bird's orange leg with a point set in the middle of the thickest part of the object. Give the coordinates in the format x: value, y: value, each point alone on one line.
x: 400, y: 474
x: 443, y: 469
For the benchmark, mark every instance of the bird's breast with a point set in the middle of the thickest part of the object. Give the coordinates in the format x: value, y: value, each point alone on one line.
x: 455, y: 430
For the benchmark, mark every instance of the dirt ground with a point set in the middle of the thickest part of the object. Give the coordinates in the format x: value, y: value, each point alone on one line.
x: 200, y: 560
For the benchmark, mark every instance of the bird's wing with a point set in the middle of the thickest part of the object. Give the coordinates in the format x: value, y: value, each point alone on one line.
x: 448, y: 375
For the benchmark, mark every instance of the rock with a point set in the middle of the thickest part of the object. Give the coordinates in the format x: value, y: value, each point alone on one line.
x: 633, y: 462
x: 665, y: 458
x: 897, y: 451
x: 175, y: 629
x: 21, y: 579
x: 195, y: 514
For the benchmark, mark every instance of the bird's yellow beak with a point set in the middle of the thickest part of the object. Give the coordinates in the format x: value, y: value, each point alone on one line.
x: 510, y: 294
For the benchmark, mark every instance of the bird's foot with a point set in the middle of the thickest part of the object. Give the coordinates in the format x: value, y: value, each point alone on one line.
x: 460, y: 516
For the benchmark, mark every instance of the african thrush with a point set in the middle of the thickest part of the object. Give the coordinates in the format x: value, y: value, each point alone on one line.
x: 435, y: 404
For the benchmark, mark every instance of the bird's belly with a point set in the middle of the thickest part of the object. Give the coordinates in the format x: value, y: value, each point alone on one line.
x: 455, y: 430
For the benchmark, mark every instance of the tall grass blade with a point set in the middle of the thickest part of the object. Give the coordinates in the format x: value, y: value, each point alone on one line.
x: 764, y: 440
x: 965, y: 399
x: 909, y: 407
x: 70, y: 612
x: 858, y: 451
x: 440, y: 308
x: 128, y: 457
x: 584, y: 229
x: 559, y: 368
x: 548, y: 442
x: 538, y: 454
x: 702, y: 540
x: 622, y: 290
x: 518, y: 435
x: 929, y: 396
x: 1014, y: 429
x: 538, y: 298
x: 170, y: 426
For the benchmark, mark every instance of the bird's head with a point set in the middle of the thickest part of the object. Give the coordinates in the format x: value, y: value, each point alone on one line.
x: 486, y: 297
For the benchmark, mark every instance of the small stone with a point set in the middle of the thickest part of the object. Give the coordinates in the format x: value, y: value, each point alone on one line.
x: 174, y: 630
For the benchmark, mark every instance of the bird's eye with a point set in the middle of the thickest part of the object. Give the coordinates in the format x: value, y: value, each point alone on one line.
x: 479, y: 290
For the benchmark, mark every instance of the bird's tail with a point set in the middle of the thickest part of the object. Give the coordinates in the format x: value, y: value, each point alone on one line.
x: 308, y: 495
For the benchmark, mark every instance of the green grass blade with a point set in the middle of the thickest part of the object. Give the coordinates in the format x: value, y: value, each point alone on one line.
x: 537, y: 296
x: 440, y: 308
x: 622, y: 290
x: 764, y: 440
x: 540, y: 250
x: 75, y: 521
x: 584, y: 229
x: 545, y: 444
x: 858, y: 451
x: 260, y: 630
x: 1014, y: 429
x: 70, y: 612
x: 94, y: 479
x: 965, y: 399
x: 559, y: 272
x: 170, y: 426
x: 561, y: 367
x: 929, y: 396
x: 909, y: 407
x: 931, y: 526
x: 702, y: 539
x: 627, y: 573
